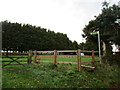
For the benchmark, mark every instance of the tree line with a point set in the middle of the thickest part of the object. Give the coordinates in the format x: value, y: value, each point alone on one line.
x: 24, y: 37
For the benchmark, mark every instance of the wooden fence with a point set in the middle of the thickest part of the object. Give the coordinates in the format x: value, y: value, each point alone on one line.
x: 55, y: 57
x: 32, y: 56
x: 11, y: 58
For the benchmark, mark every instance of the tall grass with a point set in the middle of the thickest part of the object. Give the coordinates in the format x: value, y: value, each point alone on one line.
x: 56, y: 76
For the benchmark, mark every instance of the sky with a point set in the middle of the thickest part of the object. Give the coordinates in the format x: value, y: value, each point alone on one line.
x: 65, y: 16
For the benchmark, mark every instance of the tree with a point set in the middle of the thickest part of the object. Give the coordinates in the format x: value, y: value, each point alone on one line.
x: 88, y: 46
x: 75, y: 45
x: 104, y: 23
x: 18, y: 37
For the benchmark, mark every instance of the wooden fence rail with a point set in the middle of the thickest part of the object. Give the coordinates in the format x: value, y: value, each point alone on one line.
x: 34, y: 54
x: 17, y: 58
x: 78, y: 57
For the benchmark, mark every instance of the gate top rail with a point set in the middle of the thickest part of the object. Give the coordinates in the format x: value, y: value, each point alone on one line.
x: 14, y: 53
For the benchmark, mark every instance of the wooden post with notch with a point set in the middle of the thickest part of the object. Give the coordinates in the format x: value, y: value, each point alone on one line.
x: 79, y: 59
x: 29, y: 56
x: 93, y: 58
x: 55, y: 56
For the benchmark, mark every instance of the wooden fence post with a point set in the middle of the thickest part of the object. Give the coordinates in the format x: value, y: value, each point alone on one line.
x: 35, y: 55
x: 93, y: 59
x: 55, y: 56
x: 29, y: 56
x: 79, y: 59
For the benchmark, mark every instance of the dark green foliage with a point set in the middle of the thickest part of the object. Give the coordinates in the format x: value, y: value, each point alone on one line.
x: 112, y: 60
x: 75, y: 45
x: 88, y: 46
x: 105, y: 23
x: 17, y: 37
x: 55, y: 76
x: 109, y: 30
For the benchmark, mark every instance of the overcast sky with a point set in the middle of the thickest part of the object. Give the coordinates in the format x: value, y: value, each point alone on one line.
x: 65, y: 16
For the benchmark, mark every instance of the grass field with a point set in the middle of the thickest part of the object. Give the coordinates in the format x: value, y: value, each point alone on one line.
x: 49, y: 75
x: 56, y: 76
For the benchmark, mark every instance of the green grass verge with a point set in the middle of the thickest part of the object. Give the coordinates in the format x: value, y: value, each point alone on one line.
x: 56, y: 76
